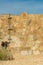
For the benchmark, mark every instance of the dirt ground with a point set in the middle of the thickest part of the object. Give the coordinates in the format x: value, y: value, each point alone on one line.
x: 24, y: 60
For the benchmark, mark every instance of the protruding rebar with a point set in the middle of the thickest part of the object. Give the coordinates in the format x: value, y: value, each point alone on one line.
x: 9, y: 28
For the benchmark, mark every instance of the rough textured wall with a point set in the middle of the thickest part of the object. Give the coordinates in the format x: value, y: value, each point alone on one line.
x: 27, y: 30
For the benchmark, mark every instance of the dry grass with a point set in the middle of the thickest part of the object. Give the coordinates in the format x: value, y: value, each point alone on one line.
x: 5, y: 54
x: 24, y: 60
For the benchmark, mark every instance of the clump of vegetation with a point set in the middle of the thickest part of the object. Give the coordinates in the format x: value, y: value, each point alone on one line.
x: 5, y: 54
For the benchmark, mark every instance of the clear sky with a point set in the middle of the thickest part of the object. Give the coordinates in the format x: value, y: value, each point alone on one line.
x: 19, y: 6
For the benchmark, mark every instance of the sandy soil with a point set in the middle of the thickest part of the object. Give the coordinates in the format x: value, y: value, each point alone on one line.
x: 24, y: 60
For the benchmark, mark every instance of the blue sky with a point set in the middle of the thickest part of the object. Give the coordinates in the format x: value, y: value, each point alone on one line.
x: 19, y: 6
